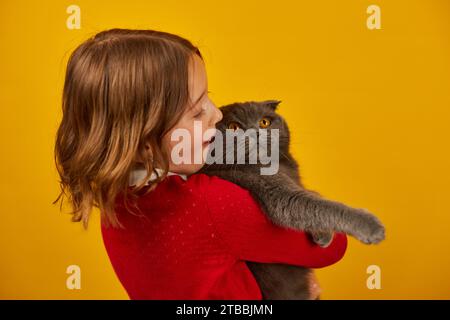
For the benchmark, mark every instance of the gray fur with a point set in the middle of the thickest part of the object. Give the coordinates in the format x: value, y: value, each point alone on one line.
x: 287, y: 203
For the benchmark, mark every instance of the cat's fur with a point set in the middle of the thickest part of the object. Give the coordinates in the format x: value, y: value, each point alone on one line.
x: 287, y: 203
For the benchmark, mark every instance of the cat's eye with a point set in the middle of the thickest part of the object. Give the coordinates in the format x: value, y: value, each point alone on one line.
x: 233, y: 126
x: 264, y: 122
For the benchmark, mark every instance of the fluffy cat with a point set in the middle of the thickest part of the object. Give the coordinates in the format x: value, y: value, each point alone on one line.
x: 284, y: 199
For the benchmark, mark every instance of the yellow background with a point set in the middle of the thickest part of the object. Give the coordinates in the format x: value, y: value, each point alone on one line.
x: 369, y: 112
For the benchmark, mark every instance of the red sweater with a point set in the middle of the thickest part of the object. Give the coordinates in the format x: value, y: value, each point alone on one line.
x: 194, y: 238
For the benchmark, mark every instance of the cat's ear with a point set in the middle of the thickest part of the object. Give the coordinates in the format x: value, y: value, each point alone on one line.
x: 273, y: 104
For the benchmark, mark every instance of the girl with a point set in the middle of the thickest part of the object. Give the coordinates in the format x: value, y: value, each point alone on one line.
x: 169, y: 233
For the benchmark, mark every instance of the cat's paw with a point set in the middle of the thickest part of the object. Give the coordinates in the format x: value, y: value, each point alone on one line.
x: 322, y: 238
x: 370, y: 230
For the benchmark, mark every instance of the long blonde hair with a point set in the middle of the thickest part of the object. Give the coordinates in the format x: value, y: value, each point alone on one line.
x: 123, y: 88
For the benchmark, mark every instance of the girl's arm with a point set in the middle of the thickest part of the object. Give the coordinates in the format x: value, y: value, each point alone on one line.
x: 248, y: 234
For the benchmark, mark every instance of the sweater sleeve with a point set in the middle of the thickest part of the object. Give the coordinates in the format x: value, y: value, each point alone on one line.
x: 248, y: 233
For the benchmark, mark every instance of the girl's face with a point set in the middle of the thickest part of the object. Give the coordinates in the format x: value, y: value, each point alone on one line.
x: 199, y: 121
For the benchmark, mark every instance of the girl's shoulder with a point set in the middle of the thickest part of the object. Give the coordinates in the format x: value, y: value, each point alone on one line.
x: 210, y: 192
x: 196, y: 186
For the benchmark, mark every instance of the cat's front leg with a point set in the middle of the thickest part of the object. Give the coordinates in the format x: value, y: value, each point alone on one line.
x: 289, y: 205
x: 321, y: 214
x: 306, y: 210
x: 367, y: 228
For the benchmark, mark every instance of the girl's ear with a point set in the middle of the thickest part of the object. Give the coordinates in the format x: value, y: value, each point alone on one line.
x: 273, y: 104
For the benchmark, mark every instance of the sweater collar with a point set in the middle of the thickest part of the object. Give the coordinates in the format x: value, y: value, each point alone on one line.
x: 138, y: 174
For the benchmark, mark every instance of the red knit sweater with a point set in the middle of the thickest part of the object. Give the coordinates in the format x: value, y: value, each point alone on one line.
x: 194, y: 238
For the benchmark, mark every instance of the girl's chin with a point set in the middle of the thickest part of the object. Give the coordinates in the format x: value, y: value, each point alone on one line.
x: 187, y: 170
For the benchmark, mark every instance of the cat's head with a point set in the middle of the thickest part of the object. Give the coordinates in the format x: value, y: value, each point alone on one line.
x: 255, y: 115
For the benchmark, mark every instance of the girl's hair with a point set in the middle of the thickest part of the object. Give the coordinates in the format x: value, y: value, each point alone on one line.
x: 123, y: 89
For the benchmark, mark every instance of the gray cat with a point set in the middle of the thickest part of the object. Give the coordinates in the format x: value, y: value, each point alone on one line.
x: 284, y: 199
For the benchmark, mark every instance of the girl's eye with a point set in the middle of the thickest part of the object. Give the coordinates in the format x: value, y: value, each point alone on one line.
x: 233, y: 126
x: 203, y: 108
x: 264, y: 122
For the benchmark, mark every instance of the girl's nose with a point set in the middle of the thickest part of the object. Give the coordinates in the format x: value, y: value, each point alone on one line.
x: 219, y: 115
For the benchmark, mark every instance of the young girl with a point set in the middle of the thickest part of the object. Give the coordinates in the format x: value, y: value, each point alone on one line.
x: 169, y: 233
